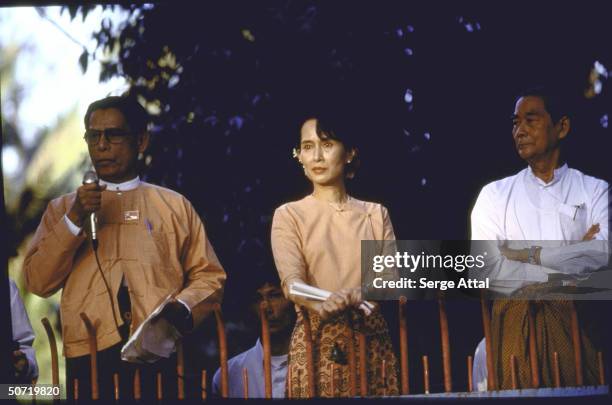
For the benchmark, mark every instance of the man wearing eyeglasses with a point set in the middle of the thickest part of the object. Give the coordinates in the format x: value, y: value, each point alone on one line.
x: 152, y: 243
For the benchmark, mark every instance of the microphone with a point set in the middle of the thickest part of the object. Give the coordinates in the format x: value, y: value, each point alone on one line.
x: 91, y: 177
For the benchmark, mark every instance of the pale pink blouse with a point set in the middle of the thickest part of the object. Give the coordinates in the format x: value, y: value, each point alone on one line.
x: 320, y: 243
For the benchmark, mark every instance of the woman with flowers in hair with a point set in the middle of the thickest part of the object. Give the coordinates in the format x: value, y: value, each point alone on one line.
x: 316, y: 241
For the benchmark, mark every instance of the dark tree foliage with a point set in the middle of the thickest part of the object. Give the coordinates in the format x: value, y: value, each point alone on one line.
x: 430, y: 87
x: 232, y: 80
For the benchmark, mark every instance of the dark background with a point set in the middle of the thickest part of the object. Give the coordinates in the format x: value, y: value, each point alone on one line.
x: 249, y: 71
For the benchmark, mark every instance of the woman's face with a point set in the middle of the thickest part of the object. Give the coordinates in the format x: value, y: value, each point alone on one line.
x: 323, y: 159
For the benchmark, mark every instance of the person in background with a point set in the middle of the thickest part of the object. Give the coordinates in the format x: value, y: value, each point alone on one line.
x: 24, y: 357
x: 281, y: 319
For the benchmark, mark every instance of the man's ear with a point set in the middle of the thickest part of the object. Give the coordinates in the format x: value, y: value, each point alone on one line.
x: 143, y: 141
x: 563, y: 126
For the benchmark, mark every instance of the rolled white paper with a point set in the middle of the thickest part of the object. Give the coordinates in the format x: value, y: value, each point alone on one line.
x: 308, y: 291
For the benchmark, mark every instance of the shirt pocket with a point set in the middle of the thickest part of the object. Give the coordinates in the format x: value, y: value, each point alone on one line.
x: 573, y: 221
x: 156, y: 248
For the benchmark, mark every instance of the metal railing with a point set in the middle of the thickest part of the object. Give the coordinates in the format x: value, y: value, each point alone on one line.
x: 360, y: 374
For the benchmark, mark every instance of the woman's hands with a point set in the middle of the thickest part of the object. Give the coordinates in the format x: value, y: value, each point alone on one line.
x: 335, y: 304
x: 339, y: 301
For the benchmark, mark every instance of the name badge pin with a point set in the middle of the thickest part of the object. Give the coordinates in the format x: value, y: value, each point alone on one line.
x: 129, y: 216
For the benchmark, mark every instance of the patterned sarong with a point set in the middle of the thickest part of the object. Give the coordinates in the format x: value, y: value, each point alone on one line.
x: 331, y: 345
x: 510, y: 335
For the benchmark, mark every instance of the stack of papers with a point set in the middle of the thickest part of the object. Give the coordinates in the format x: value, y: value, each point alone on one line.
x: 314, y: 293
x: 152, y: 340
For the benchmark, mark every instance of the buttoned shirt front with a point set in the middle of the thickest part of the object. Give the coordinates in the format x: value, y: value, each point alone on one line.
x: 149, y: 236
x: 522, y: 210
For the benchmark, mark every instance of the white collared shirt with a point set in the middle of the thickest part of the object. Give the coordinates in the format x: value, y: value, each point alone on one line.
x: 521, y: 211
x: 125, y: 186
x: 252, y: 361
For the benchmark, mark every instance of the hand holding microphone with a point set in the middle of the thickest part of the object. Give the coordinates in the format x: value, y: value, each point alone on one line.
x: 88, y: 200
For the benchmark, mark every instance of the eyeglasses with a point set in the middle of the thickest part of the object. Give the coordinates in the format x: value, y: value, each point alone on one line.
x: 113, y: 135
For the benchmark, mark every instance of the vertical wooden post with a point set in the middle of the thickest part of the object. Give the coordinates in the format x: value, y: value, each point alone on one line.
x: 203, y: 385
x: 137, y: 386
x: 352, y: 357
x: 513, y: 372
x: 245, y: 382
x: 265, y: 342
x: 486, y: 326
x: 576, y: 343
x: 180, y: 371
x: 309, y: 354
x: 403, y: 331
x: 160, y: 390
x: 363, y: 371
x: 75, y: 388
x: 333, y: 379
x: 53, y: 347
x: 426, y: 374
x: 93, y: 353
x: 470, y: 379
x: 533, y: 352
x: 556, y: 371
x: 222, y: 350
x: 446, y: 360
x: 116, y: 385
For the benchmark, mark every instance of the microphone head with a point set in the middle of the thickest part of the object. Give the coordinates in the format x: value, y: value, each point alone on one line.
x: 90, y: 177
